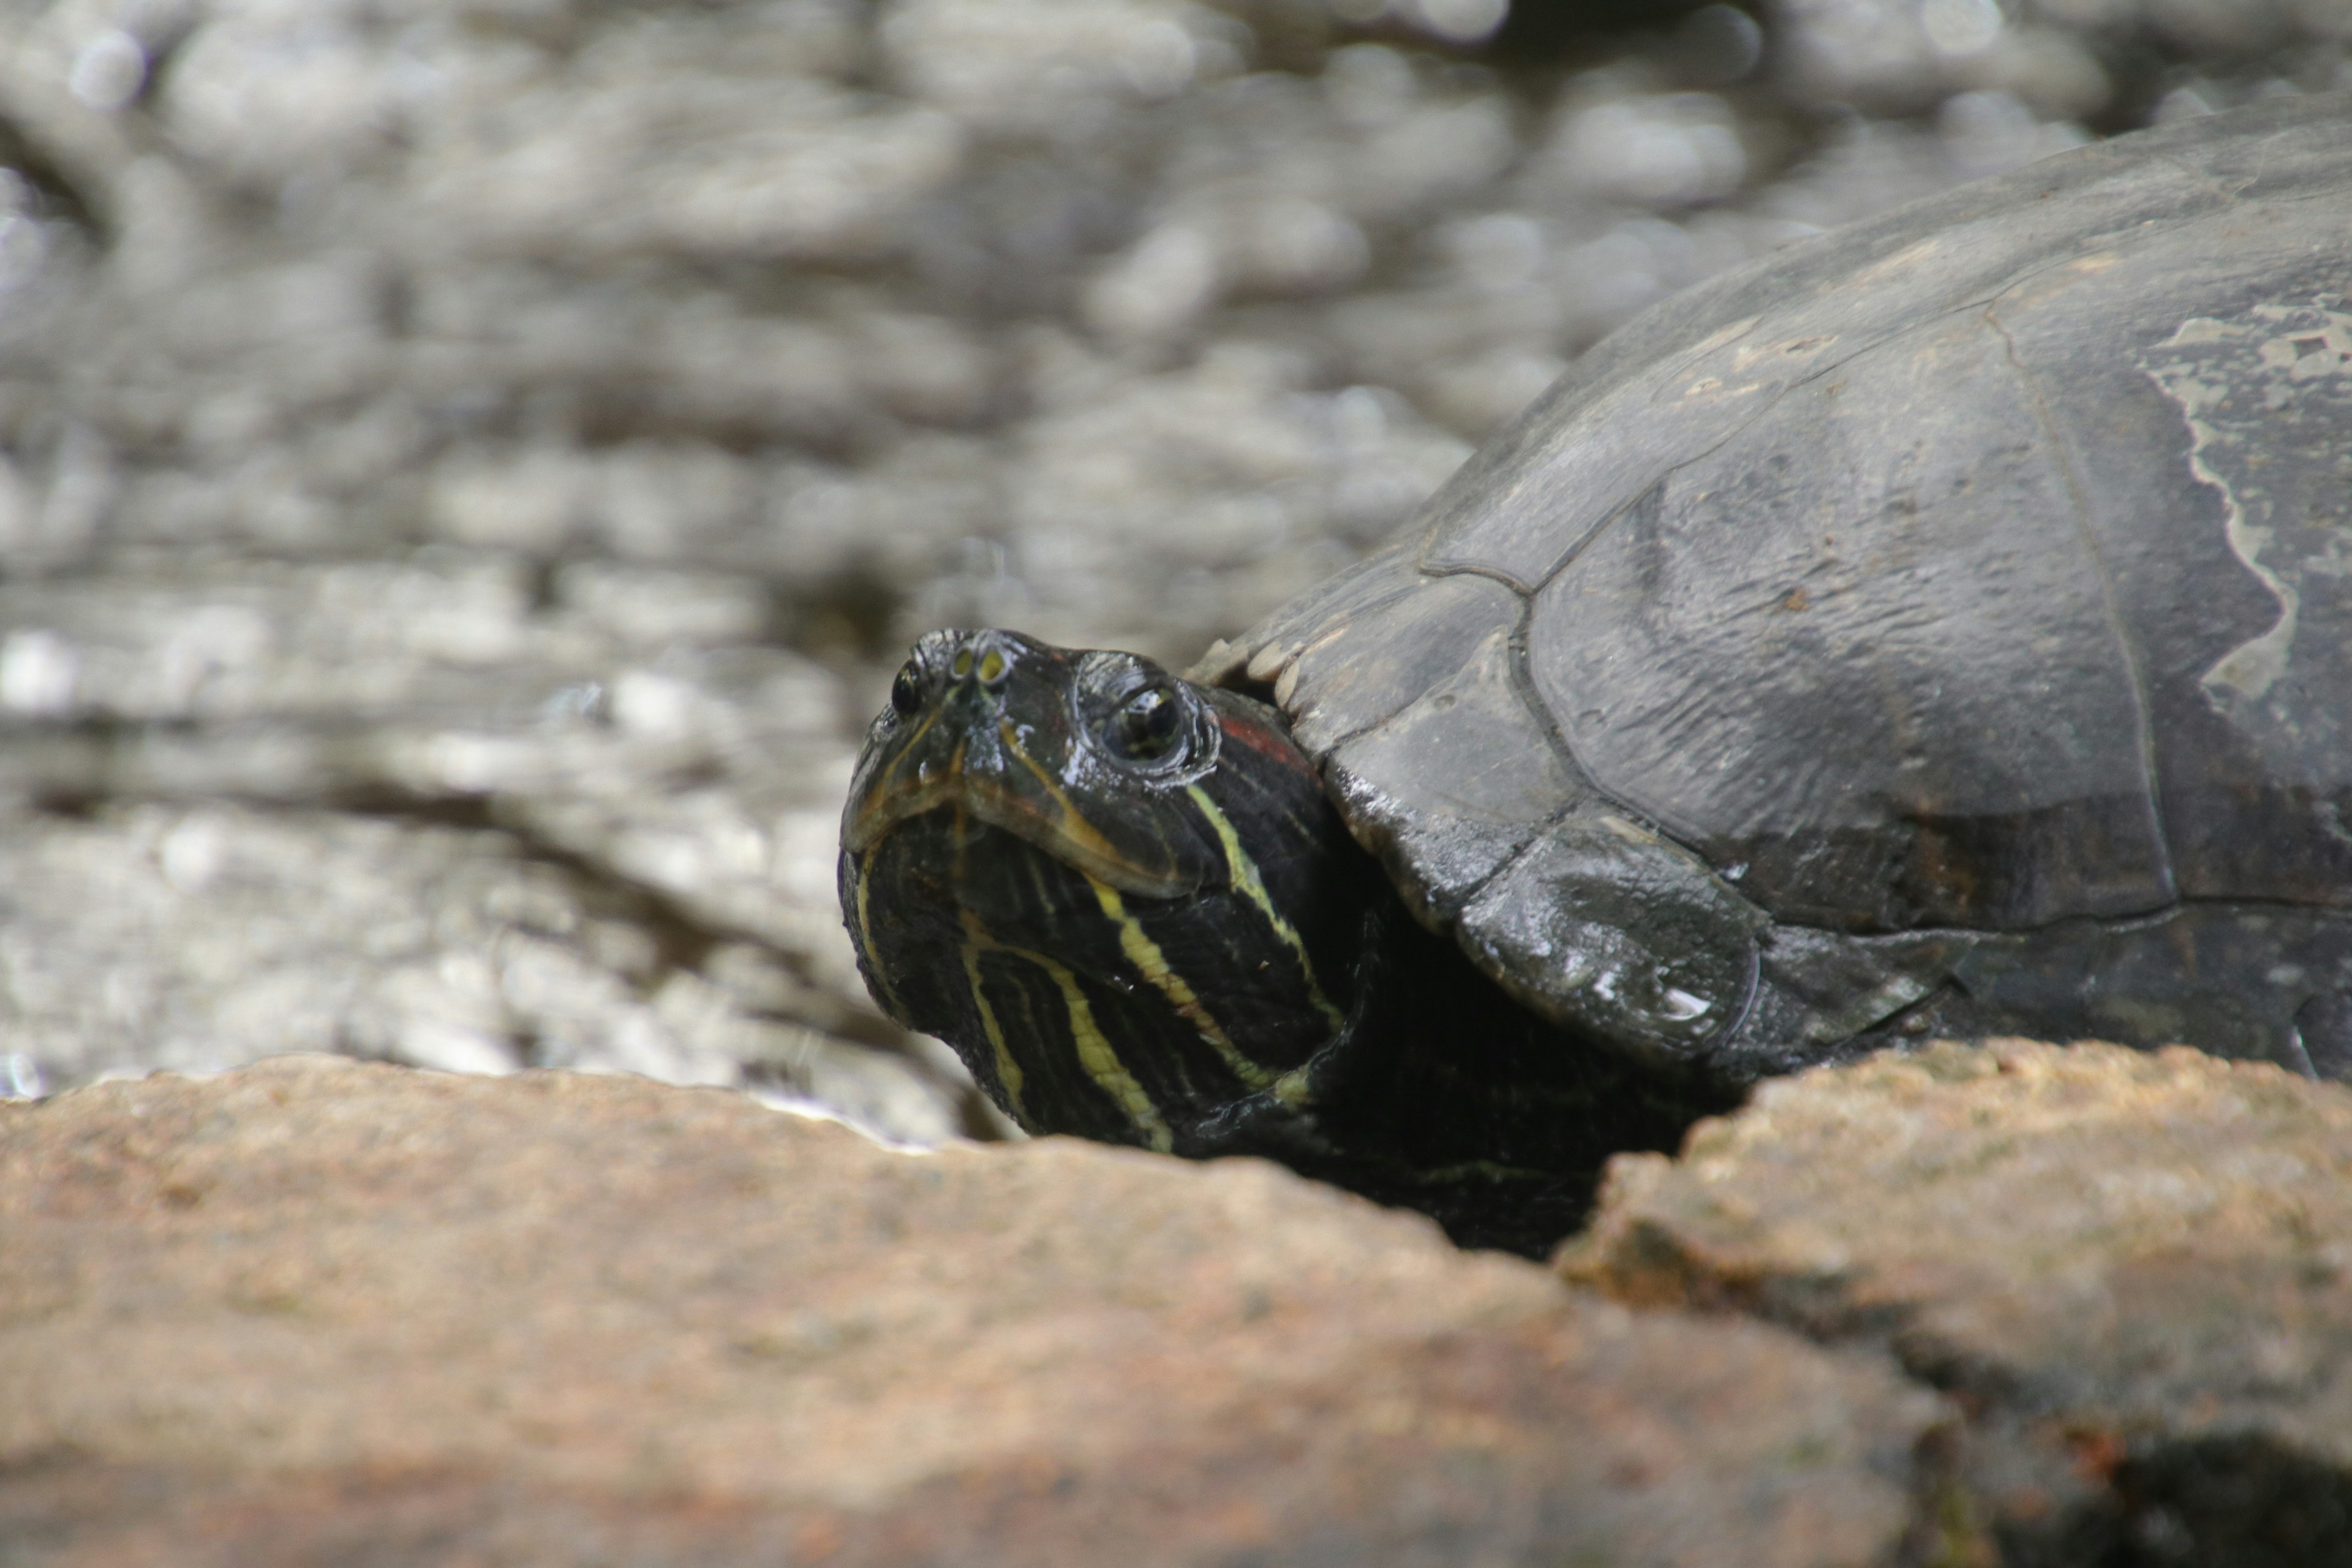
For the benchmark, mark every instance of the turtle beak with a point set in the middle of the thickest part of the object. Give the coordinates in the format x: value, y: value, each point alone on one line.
x: 997, y: 743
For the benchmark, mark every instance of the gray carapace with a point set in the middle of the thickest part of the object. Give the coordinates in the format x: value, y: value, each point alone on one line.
x: 1943, y: 627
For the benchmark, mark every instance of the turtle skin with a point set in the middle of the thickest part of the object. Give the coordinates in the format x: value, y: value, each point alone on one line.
x: 1942, y: 627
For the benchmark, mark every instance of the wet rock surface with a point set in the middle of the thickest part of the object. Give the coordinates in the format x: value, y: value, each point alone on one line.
x: 2129, y: 1269
x: 467, y: 466
x: 319, y: 1311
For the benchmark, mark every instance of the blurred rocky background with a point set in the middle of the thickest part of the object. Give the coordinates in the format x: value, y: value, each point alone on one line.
x: 467, y: 467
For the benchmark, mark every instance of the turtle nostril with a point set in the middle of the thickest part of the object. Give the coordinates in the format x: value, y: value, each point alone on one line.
x: 984, y: 662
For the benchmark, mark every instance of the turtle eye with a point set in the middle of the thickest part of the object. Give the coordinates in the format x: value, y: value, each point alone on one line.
x: 906, y: 690
x: 1146, y: 727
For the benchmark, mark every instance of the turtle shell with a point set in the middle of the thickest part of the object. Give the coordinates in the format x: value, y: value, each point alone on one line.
x: 1946, y: 623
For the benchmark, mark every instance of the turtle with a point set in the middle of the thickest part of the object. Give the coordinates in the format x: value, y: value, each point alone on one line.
x: 1938, y: 629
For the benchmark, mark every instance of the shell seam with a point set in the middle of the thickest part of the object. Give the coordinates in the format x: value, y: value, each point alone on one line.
x: 2126, y: 645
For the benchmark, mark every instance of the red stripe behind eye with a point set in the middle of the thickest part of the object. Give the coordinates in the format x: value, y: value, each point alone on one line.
x: 1265, y: 742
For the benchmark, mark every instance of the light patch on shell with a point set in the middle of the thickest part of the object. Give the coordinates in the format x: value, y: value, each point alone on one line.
x: 1720, y: 377
x: 1910, y: 258
x: 1800, y: 350
x: 2266, y: 397
x: 1681, y: 1006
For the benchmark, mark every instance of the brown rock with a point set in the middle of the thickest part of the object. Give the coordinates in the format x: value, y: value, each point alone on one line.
x: 312, y: 1307
x: 2131, y: 1268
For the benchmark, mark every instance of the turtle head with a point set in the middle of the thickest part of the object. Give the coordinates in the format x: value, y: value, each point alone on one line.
x: 1076, y: 753
x: 1121, y: 897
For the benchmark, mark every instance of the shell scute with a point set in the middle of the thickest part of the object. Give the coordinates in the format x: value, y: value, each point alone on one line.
x: 1368, y: 665
x: 1467, y: 774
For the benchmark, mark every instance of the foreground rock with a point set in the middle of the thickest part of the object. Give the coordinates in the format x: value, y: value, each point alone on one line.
x: 2131, y: 1268
x: 313, y: 1308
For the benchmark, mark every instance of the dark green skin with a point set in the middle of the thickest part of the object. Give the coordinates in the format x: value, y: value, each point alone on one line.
x: 987, y: 821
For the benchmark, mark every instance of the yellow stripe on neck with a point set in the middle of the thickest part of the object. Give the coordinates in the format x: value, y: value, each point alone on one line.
x: 1008, y: 1071
x: 1095, y: 1052
x: 1252, y: 887
x: 1144, y: 954
x: 1102, y: 1063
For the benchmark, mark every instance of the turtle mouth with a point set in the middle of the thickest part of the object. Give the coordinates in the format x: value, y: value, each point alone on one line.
x: 1020, y: 798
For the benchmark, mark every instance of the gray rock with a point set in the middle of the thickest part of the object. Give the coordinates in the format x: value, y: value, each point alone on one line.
x: 2066, y: 59
x: 202, y: 937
